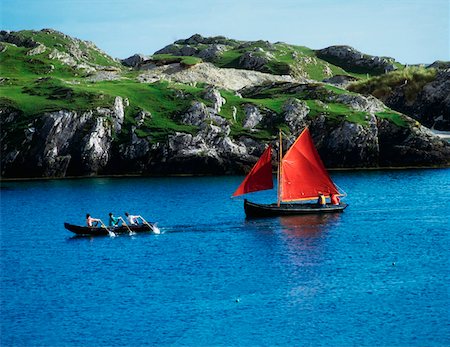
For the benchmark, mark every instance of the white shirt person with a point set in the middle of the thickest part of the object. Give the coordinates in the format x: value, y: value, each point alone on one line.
x: 133, y: 220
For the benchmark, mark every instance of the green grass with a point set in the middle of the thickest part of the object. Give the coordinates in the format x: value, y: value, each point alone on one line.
x: 229, y: 59
x: 412, y: 79
x: 15, y: 63
x: 393, y: 117
x: 170, y: 59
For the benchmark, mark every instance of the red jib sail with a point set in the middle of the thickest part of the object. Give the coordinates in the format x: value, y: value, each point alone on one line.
x: 303, y: 175
x: 260, y: 177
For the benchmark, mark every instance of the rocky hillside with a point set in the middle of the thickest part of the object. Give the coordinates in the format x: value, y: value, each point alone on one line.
x: 280, y: 58
x: 48, y: 49
x: 422, y: 93
x: 68, y: 109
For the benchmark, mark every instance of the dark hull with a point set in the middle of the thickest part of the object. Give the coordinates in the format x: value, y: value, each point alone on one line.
x: 272, y: 210
x: 94, y: 231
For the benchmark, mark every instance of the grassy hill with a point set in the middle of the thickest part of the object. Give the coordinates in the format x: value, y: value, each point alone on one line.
x: 278, y: 58
x: 43, y: 71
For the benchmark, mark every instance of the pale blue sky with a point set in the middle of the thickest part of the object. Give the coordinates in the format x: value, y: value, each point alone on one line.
x: 411, y: 31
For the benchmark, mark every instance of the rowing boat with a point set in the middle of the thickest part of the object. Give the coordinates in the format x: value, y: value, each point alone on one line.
x: 94, y: 231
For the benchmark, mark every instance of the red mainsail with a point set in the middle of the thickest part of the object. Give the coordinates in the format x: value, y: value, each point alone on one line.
x: 303, y: 175
x: 260, y: 177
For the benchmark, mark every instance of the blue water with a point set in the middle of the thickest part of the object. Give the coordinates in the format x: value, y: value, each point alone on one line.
x: 378, y: 274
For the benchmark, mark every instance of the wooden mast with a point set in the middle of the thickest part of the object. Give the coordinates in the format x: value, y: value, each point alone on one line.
x: 280, y: 155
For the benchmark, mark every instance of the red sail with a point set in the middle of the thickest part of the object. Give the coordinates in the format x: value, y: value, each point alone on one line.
x: 260, y: 177
x: 303, y: 175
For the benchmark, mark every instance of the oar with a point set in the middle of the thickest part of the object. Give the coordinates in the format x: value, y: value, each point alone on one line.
x: 112, y: 234
x: 155, y: 229
x: 130, y: 232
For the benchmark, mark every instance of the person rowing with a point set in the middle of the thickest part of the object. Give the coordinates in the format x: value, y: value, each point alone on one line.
x: 113, y: 221
x: 92, y: 222
x: 133, y: 220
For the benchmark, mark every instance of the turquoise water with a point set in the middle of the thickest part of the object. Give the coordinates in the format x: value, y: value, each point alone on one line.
x: 378, y: 274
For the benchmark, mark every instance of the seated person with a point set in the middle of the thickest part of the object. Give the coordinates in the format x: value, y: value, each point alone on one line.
x: 132, y: 220
x: 113, y: 221
x: 321, y: 201
x: 335, y: 199
x: 91, y: 222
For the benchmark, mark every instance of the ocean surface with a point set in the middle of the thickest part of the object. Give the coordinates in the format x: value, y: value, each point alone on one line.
x: 376, y: 275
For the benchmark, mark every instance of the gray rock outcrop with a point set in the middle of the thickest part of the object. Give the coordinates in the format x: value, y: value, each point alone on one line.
x: 212, y: 94
x: 253, y: 116
x: 61, y: 143
x: 345, y: 143
x: 256, y: 60
x: 351, y: 59
x: 135, y: 60
x: 295, y: 114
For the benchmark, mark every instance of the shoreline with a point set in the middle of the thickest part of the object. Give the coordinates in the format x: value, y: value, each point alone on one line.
x: 445, y: 135
x: 385, y: 168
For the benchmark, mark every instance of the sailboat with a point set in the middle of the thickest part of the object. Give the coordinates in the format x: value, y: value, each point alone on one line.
x: 301, y: 177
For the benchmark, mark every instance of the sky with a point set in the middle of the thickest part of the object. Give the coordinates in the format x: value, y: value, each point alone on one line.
x: 411, y: 31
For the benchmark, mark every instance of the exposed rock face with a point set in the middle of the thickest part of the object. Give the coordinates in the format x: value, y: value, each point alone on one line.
x: 412, y: 146
x: 295, y: 113
x: 346, y: 143
x: 347, y: 56
x: 68, y: 143
x: 62, y: 143
x: 252, y: 116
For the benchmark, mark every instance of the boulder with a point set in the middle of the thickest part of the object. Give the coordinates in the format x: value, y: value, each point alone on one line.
x: 134, y: 61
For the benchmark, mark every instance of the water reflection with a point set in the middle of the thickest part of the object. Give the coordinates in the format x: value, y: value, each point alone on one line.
x: 304, y: 239
x: 308, y: 226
